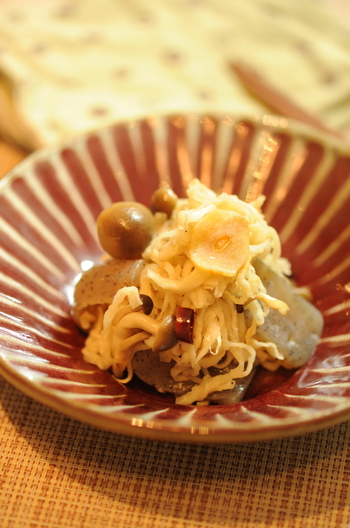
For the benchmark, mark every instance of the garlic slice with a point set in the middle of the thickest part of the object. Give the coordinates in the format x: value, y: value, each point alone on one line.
x: 220, y: 242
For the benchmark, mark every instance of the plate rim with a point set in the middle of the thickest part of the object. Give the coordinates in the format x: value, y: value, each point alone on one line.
x: 220, y: 435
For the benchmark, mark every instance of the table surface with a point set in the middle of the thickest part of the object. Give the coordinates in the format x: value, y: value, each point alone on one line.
x: 57, y: 472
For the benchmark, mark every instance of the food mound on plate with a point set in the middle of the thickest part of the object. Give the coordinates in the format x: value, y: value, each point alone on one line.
x: 192, y: 296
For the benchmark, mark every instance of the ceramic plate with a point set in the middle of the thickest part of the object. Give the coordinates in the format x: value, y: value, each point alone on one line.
x: 48, y: 208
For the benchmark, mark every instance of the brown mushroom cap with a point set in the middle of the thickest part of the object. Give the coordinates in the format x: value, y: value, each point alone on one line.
x: 125, y: 229
x: 163, y: 200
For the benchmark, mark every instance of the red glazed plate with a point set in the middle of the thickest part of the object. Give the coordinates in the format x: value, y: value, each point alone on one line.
x: 48, y: 208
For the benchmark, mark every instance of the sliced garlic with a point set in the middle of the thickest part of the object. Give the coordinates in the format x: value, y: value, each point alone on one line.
x: 220, y: 242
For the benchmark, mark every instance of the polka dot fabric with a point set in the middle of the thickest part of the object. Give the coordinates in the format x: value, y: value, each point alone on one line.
x: 79, y: 65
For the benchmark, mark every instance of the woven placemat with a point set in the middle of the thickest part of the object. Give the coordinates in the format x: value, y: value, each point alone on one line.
x: 58, y: 473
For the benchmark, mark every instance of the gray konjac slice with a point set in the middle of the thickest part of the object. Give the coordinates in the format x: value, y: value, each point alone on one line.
x: 151, y: 370
x: 235, y: 395
x: 296, y: 334
x: 98, y: 285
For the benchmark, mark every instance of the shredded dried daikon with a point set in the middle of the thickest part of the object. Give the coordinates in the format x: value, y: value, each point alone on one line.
x: 182, y: 270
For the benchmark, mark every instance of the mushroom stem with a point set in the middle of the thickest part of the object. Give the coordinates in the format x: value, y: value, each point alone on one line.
x: 136, y: 320
x: 146, y: 307
x: 124, y: 348
x: 133, y: 340
x: 129, y: 325
x: 122, y: 312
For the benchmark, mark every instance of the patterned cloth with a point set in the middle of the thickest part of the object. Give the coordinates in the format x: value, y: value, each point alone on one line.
x: 83, y: 63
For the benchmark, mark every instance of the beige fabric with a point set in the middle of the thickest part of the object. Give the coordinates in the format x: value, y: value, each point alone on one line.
x: 58, y: 473
x: 79, y: 64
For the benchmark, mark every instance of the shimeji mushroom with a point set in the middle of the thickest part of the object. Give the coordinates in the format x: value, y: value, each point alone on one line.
x: 135, y: 327
x: 163, y: 200
x: 125, y: 229
x: 163, y: 331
